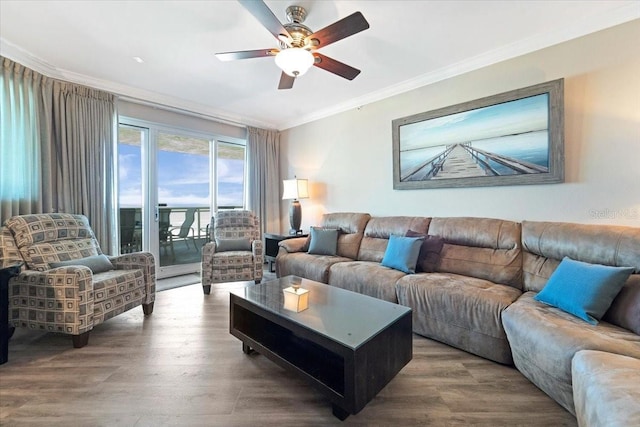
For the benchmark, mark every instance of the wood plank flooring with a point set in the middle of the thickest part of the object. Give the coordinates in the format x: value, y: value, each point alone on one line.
x: 181, y: 367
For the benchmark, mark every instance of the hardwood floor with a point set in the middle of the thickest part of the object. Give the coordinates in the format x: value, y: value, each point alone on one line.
x: 181, y: 367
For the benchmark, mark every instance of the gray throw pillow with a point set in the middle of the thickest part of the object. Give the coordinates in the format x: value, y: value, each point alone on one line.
x: 97, y: 263
x: 429, y: 257
x: 226, y: 245
x: 324, y: 241
x: 625, y: 309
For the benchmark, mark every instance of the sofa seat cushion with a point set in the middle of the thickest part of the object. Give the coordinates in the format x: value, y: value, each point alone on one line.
x: 115, y: 292
x: 366, y: 277
x: 461, y: 311
x: 544, y: 339
x: 312, y: 267
x: 606, y: 389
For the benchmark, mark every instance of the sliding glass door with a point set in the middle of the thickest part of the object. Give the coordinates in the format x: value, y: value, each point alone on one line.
x: 230, y: 176
x: 170, y: 181
x: 184, y: 200
x: 131, y: 142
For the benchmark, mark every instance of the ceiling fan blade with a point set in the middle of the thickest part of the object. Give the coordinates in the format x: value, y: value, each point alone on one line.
x: 335, y: 67
x: 262, y: 13
x: 246, y: 54
x: 286, y: 81
x: 339, y: 30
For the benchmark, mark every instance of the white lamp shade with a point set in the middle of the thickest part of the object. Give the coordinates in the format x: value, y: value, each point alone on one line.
x: 294, y: 61
x: 295, y: 189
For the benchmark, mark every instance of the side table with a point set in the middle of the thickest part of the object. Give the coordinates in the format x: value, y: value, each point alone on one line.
x: 271, y: 241
x: 5, y: 330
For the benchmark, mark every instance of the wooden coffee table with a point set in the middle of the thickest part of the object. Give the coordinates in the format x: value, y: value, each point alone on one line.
x: 347, y: 345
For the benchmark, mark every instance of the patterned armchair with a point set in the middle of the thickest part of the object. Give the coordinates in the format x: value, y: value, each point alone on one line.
x: 235, y: 252
x: 55, y: 294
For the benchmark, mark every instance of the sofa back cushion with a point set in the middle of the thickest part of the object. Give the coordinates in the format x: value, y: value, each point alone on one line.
x: 350, y: 226
x: 379, y: 229
x: 485, y: 248
x: 545, y: 244
x: 45, y: 238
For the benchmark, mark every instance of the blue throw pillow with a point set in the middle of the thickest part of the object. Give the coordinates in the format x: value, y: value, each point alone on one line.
x: 402, y: 253
x: 582, y: 289
x: 324, y: 241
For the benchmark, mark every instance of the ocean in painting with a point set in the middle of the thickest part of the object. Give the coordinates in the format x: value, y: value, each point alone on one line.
x: 531, y: 147
x: 515, y: 129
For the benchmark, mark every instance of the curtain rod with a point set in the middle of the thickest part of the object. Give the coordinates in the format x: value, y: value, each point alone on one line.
x: 181, y: 111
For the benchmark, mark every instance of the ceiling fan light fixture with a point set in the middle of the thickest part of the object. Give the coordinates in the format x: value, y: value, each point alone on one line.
x: 294, y: 61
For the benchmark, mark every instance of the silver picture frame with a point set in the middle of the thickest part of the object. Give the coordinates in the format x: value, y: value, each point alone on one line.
x: 513, y: 138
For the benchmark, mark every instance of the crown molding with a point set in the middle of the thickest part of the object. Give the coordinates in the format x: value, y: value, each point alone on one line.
x: 620, y: 15
x: 127, y: 93
x: 615, y: 17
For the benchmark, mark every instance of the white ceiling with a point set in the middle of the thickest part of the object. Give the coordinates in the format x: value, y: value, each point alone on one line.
x: 409, y: 44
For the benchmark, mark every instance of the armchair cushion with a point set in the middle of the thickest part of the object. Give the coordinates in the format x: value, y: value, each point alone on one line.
x: 97, y: 263
x: 46, y: 238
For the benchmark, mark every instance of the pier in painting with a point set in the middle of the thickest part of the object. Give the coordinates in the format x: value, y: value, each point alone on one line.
x: 464, y: 161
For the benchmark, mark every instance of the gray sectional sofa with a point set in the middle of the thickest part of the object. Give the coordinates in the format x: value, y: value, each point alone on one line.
x: 480, y: 295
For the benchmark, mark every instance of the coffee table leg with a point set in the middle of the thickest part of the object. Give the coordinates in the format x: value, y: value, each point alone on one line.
x: 340, y: 413
x: 246, y: 349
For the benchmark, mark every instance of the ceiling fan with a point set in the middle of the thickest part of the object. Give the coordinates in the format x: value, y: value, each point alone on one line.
x: 298, y: 44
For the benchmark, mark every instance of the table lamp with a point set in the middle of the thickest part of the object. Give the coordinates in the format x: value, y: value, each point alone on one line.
x: 294, y: 189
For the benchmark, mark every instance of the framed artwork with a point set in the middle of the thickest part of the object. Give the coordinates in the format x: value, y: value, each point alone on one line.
x: 513, y: 138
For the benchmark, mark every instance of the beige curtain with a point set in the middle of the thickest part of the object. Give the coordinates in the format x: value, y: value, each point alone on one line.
x: 71, y: 156
x: 263, y: 148
x: 84, y: 134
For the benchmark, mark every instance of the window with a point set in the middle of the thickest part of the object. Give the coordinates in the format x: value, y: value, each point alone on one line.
x: 230, y: 173
x: 170, y: 179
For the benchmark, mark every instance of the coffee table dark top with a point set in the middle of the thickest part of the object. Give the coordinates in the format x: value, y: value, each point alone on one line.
x: 346, y: 317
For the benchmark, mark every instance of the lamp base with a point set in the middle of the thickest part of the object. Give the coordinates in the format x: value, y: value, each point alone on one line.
x: 295, y: 217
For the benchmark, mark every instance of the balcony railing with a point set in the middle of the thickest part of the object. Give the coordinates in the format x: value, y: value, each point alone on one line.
x: 171, y: 219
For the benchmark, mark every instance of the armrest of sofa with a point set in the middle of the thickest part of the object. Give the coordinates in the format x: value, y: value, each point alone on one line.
x: 143, y: 261
x: 56, y: 300
x: 297, y: 244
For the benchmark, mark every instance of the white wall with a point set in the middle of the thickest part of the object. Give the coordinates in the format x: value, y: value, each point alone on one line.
x: 348, y: 157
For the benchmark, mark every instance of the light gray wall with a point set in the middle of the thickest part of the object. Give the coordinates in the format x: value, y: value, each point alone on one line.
x: 180, y: 120
x: 348, y: 157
